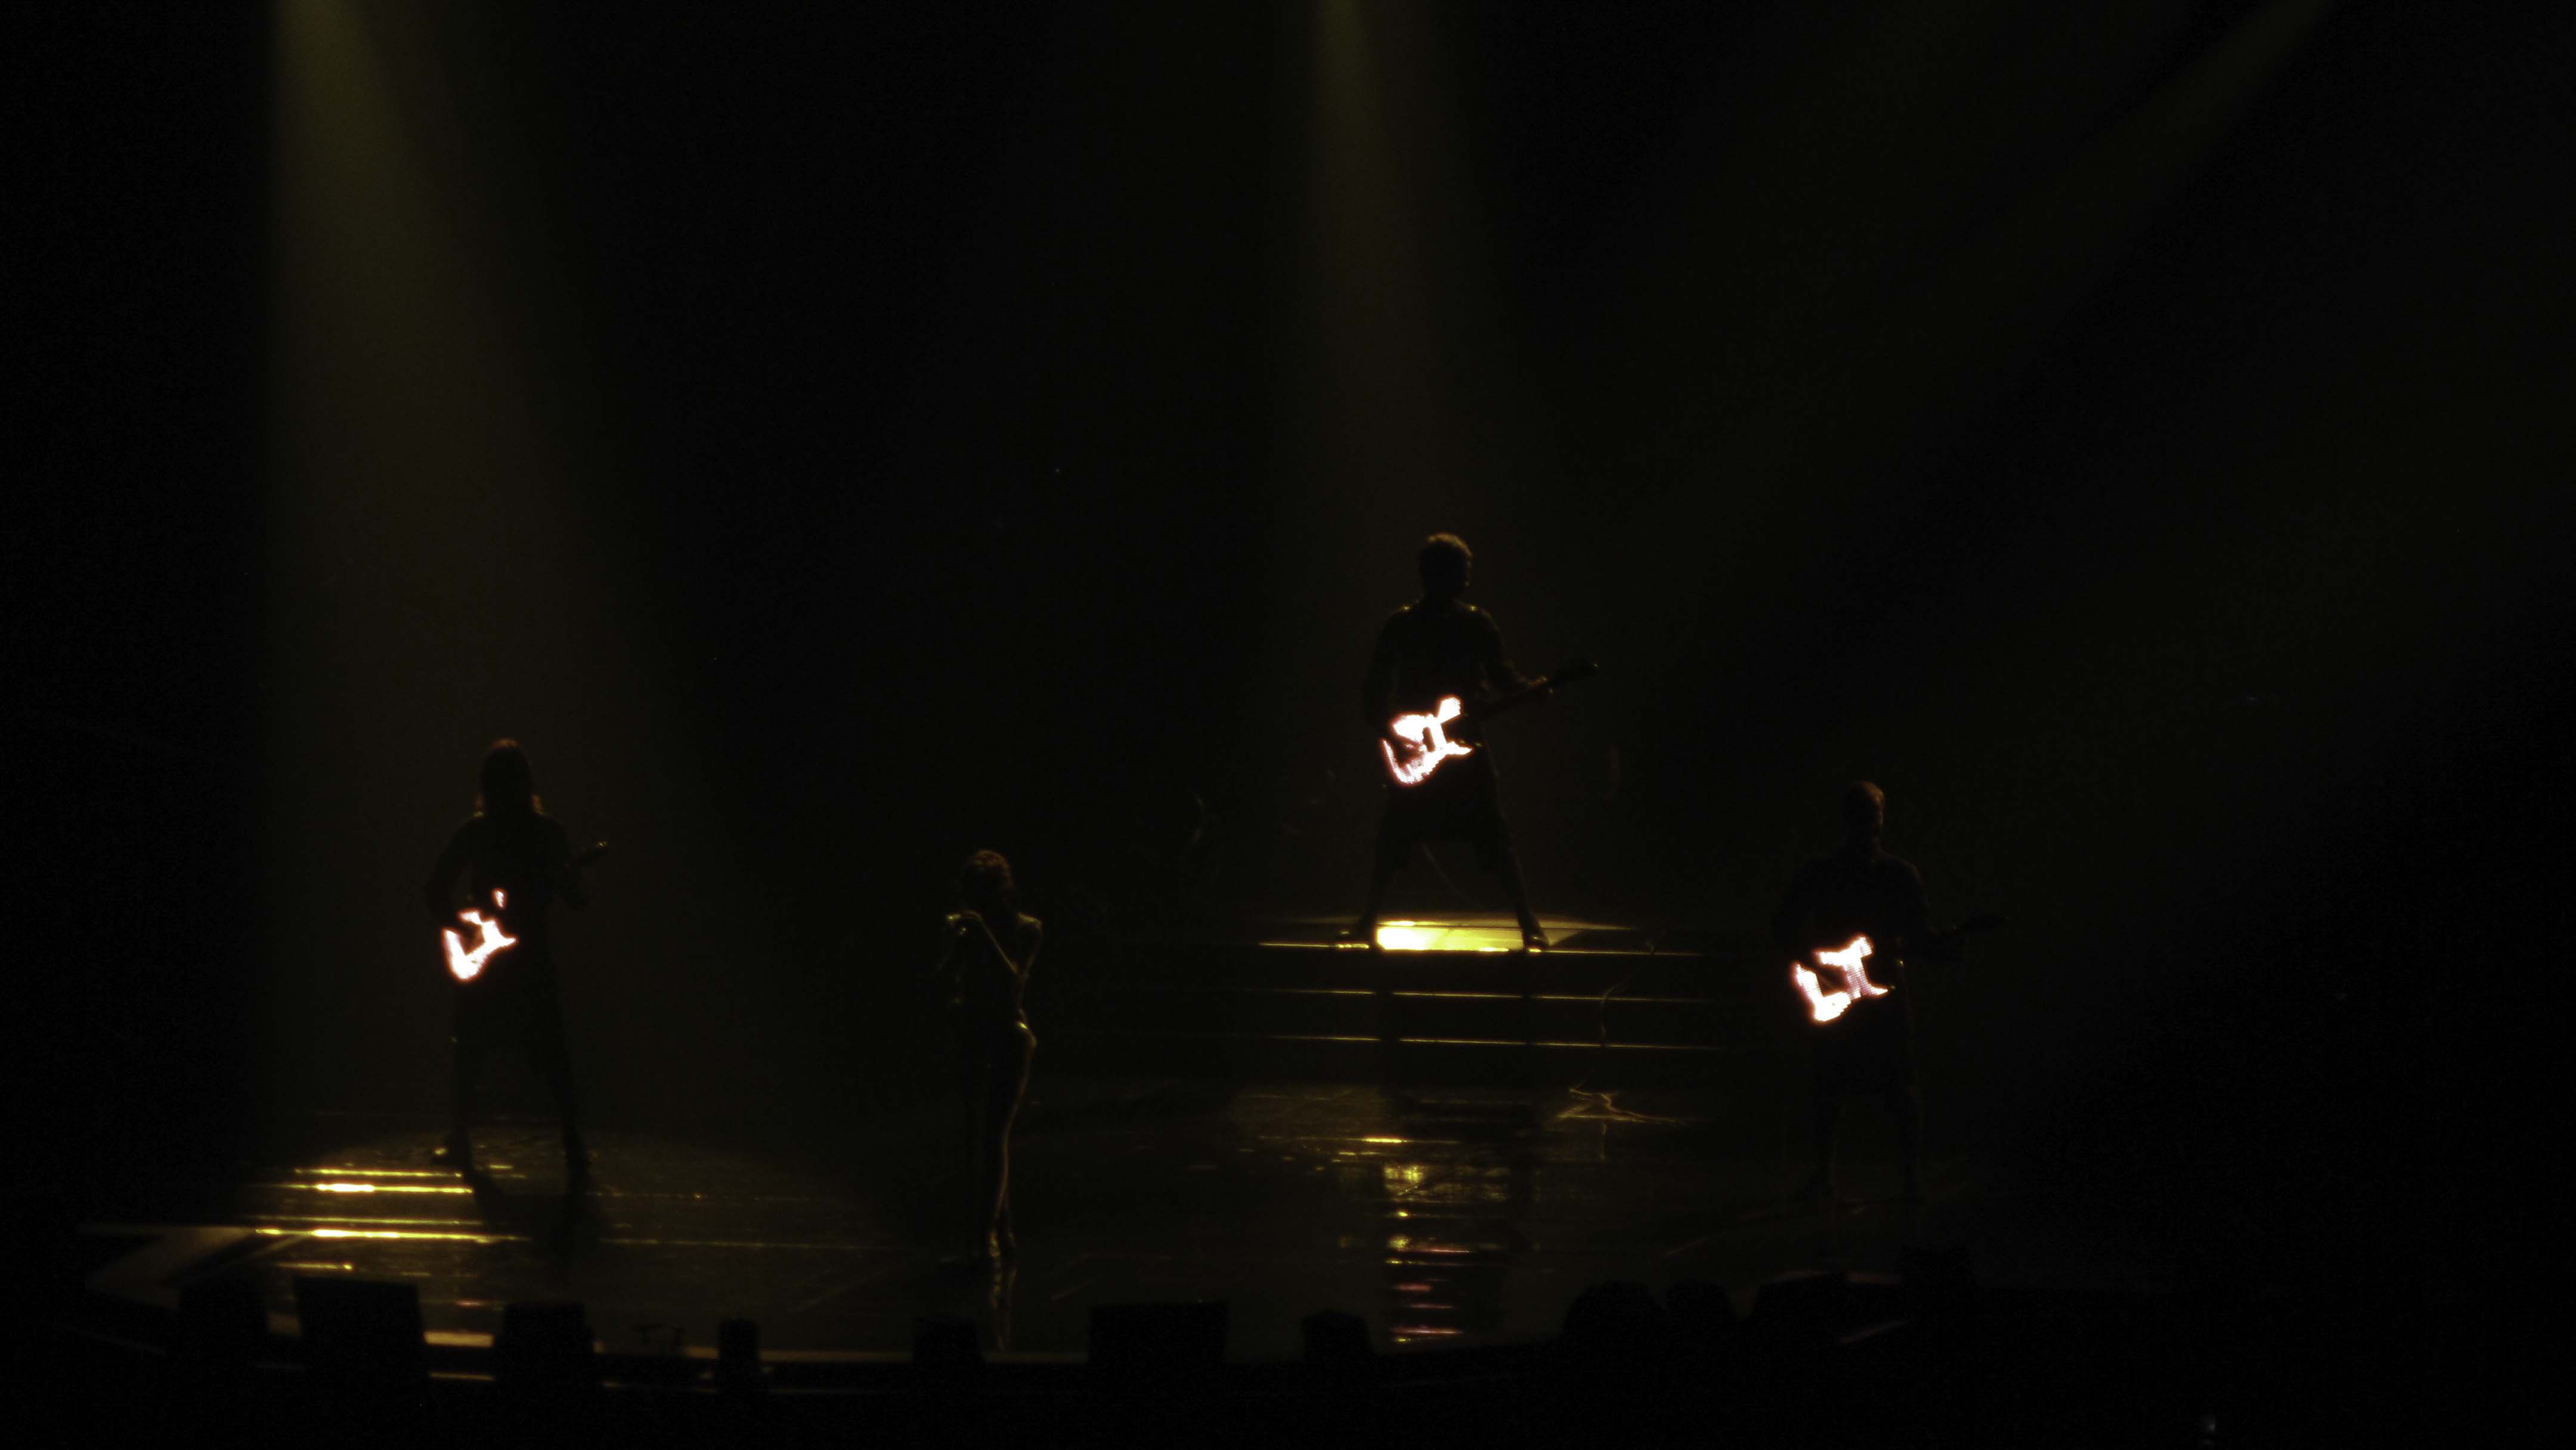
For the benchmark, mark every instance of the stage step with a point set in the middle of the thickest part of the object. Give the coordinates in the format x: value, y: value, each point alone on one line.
x: 1300, y: 1010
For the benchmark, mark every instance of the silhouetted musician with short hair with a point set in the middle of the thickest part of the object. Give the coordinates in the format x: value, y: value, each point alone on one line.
x: 1438, y: 646
x: 1861, y: 890
x: 514, y: 862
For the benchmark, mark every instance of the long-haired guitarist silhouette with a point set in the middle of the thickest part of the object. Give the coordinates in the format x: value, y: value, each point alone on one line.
x: 514, y: 863
x: 1442, y: 648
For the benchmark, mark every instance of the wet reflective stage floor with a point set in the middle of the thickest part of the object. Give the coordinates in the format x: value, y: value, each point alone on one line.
x: 1440, y: 1215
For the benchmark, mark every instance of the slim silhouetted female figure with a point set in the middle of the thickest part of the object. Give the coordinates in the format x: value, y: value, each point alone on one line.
x: 514, y: 862
x: 990, y: 945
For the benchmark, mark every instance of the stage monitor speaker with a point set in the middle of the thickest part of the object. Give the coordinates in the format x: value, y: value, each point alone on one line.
x: 738, y: 1355
x: 1158, y: 1338
x: 1940, y: 1281
x: 1702, y: 1313
x: 361, y: 1335
x: 1617, y: 1324
x: 1816, y: 1308
x: 222, y: 1322
x: 1336, y: 1336
x: 944, y: 1345
x: 49, y: 1256
x: 544, y: 1345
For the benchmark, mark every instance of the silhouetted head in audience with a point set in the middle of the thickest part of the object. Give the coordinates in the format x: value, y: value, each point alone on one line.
x: 1444, y: 563
x: 985, y: 885
x: 1616, y: 1326
x: 1864, y: 813
x: 505, y: 785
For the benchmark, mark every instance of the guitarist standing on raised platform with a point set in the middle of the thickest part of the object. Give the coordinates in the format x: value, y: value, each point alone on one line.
x: 1861, y: 890
x: 1438, y: 646
x: 514, y: 862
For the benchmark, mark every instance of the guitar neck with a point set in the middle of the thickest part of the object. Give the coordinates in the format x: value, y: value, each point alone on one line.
x: 1514, y: 700
x: 1415, y: 744
x: 1974, y: 924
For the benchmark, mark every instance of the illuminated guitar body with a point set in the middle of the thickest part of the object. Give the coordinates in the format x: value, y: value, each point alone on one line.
x: 1415, y: 745
x: 1848, y: 964
x: 1430, y: 743
x: 466, y: 963
x: 1847, y: 967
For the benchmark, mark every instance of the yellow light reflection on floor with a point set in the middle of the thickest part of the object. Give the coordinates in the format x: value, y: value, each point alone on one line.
x: 401, y: 1233
x: 345, y: 1187
x: 457, y: 1339
x: 1447, y: 936
x: 276, y: 1231
x: 349, y: 1171
x: 340, y: 1218
x: 1468, y: 932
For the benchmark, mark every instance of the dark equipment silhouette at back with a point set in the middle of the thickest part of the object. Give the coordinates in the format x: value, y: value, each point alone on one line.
x: 514, y: 862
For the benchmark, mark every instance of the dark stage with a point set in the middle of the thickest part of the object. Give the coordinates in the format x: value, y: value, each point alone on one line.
x: 1454, y: 1164
x: 1017, y: 529
x: 1441, y: 1215
x: 1448, y: 1139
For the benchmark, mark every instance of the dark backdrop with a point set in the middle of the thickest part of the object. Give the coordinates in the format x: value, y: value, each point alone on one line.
x: 835, y: 441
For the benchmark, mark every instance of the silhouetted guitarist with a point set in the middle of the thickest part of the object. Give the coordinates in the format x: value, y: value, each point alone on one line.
x: 514, y: 862
x: 1440, y: 646
x: 1861, y: 891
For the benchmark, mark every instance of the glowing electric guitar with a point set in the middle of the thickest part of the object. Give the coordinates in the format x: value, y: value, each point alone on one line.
x: 1414, y: 745
x: 1849, y: 966
x: 466, y: 963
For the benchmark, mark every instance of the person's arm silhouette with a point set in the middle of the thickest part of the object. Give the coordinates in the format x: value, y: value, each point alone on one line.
x: 1913, y: 919
x: 1501, y: 675
x: 564, y: 871
x: 975, y: 938
x: 1789, y: 922
x: 1377, y: 688
x: 438, y: 894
